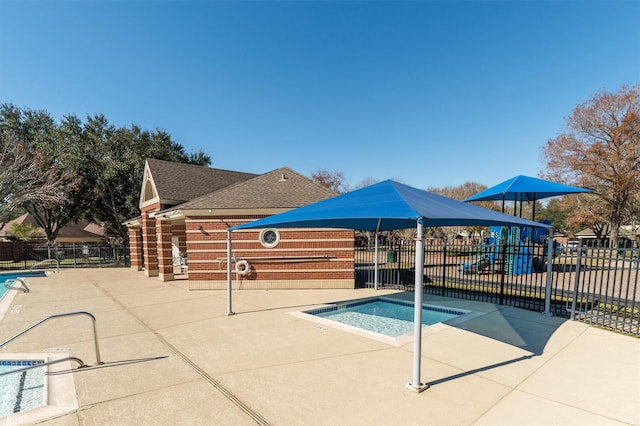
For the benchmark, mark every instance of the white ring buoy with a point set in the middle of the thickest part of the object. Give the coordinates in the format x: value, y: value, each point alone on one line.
x: 243, y: 267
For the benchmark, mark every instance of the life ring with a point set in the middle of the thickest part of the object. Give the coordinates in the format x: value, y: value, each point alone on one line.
x: 243, y: 267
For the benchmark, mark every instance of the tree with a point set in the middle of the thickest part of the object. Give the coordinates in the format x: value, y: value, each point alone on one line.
x: 106, y: 162
x: 601, y: 150
x: 332, y: 180
x: 27, y: 175
x: 23, y: 232
x: 460, y: 193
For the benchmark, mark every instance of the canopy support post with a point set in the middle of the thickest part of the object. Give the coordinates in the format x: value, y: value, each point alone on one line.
x: 229, y: 308
x: 415, y: 385
x: 547, y: 289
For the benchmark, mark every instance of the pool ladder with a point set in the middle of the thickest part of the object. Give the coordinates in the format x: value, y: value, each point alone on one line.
x: 78, y: 360
x: 8, y: 284
x: 46, y: 261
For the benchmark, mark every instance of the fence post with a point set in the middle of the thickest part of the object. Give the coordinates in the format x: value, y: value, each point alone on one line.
x: 577, y: 281
x: 444, y: 265
x: 376, y: 263
x: 547, y: 289
x: 504, y: 270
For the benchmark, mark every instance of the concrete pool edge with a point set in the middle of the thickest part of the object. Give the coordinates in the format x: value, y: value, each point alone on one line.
x: 6, y: 301
x: 60, y: 389
x: 393, y: 341
x: 7, y: 298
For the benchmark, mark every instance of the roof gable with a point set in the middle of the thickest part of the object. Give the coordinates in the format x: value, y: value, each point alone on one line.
x: 172, y: 183
x: 282, y: 188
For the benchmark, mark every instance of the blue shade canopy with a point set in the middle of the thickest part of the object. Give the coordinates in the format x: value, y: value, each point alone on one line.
x: 525, y: 188
x: 386, y: 206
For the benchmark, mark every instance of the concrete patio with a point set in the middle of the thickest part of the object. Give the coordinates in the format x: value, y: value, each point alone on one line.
x: 172, y: 357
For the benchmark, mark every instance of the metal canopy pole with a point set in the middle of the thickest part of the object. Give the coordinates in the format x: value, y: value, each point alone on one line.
x: 229, y: 308
x: 415, y: 385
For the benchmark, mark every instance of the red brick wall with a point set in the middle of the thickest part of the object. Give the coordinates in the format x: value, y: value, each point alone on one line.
x: 164, y: 250
x: 135, y: 247
x: 304, y: 258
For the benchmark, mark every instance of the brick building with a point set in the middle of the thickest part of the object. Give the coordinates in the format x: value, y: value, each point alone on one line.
x: 185, y: 213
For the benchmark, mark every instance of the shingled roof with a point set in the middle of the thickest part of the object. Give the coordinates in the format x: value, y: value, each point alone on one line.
x: 282, y: 188
x: 179, y: 182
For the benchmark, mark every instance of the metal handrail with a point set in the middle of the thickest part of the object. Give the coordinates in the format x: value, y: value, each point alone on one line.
x: 55, y: 361
x: 95, y: 331
x: 8, y: 284
x: 46, y: 261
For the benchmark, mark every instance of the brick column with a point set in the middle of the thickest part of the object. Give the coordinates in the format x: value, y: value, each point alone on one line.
x: 165, y: 255
x: 150, y: 245
x: 135, y: 249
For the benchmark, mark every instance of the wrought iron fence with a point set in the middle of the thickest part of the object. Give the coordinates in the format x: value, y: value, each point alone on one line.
x: 597, y: 285
x: 23, y: 255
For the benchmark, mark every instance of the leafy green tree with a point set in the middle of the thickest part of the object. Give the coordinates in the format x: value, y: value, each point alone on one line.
x: 23, y: 232
x: 106, y: 162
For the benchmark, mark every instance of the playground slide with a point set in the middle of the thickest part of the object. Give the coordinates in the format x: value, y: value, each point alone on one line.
x: 478, y: 266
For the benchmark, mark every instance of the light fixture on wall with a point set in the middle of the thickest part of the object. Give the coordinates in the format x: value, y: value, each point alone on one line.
x: 201, y: 229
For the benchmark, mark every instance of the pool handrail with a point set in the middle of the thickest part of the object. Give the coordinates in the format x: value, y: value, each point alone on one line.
x: 8, y: 284
x: 55, y: 361
x: 50, y: 260
x: 93, y: 319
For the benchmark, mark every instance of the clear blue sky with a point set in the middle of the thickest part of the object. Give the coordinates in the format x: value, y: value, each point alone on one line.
x: 431, y: 93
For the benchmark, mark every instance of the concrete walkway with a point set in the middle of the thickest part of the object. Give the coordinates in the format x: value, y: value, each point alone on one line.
x: 171, y: 357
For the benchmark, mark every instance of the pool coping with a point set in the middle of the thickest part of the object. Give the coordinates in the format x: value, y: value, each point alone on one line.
x: 7, y: 298
x: 321, y: 323
x: 60, y: 389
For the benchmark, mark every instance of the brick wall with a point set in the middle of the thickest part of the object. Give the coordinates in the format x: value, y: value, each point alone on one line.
x: 303, y: 258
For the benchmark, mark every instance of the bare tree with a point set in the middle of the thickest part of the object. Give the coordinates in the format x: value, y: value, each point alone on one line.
x: 601, y: 150
x: 460, y: 192
x: 332, y: 180
x: 26, y: 175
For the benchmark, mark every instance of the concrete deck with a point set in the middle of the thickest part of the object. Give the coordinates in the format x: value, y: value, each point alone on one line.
x: 171, y: 356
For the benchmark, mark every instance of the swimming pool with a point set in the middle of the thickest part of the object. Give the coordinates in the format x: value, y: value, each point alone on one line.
x: 389, y: 317
x: 21, y: 391
x: 39, y: 393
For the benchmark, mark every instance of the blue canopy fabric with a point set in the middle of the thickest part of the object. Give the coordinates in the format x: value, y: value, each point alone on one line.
x: 525, y: 188
x: 381, y: 207
x: 386, y: 206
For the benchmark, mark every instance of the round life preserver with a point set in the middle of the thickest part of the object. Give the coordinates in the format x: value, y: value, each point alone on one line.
x: 243, y: 267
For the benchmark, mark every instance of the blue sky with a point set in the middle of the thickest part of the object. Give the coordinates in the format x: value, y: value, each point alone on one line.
x: 431, y: 93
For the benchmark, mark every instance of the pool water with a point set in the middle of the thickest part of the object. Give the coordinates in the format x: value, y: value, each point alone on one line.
x: 390, y: 317
x: 21, y: 391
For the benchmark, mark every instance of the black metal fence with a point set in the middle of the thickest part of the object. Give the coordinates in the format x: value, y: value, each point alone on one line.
x: 24, y: 255
x: 596, y: 285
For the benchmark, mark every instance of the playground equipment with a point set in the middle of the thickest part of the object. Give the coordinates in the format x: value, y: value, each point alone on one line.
x: 509, y: 246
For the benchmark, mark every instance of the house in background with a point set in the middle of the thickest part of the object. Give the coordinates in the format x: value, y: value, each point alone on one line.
x: 79, y: 232
x: 629, y: 236
x: 187, y: 209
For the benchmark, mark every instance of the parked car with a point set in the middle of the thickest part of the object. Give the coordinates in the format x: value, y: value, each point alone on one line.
x: 558, y: 248
x: 572, y: 246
